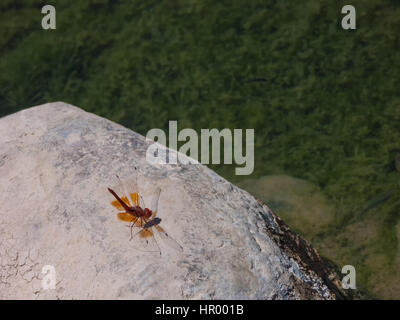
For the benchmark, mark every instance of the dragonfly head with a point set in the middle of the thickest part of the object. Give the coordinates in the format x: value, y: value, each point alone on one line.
x: 156, y: 220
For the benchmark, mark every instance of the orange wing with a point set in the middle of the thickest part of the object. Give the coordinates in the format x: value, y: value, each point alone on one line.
x: 127, y: 217
x: 129, y: 187
x: 135, y: 199
x: 124, y: 188
x: 154, y: 202
x: 117, y: 205
x: 146, y: 239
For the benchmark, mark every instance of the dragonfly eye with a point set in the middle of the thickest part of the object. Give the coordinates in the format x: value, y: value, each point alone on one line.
x: 156, y: 220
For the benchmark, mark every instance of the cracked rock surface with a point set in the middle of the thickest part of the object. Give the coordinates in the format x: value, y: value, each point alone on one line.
x: 56, y: 162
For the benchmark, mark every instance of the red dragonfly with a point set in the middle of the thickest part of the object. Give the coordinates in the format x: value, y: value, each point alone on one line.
x: 142, y: 218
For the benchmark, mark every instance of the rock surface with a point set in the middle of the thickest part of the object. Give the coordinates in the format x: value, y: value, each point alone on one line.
x: 56, y: 162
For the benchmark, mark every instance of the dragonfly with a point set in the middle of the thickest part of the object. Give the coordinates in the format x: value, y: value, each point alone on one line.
x: 143, y: 221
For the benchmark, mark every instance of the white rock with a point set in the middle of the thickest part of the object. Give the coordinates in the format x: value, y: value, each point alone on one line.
x: 56, y: 162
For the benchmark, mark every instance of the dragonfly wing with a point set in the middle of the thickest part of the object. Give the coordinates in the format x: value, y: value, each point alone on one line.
x: 167, y: 239
x: 127, y: 190
x: 127, y: 217
x: 119, y: 191
x: 132, y: 189
x: 154, y: 202
x: 129, y: 187
x: 144, y: 241
x: 137, y: 222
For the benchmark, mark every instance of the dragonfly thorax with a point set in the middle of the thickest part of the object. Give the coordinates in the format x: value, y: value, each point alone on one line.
x: 147, y: 213
x: 137, y: 211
